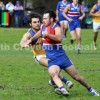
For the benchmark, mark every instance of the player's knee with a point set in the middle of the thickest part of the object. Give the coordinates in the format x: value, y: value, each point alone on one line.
x: 74, y: 38
x: 52, y: 74
x: 65, y: 27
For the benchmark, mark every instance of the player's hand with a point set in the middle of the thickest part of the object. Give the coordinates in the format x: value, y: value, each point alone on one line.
x: 57, y: 18
x: 45, y: 34
x: 80, y: 18
x: 25, y: 46
x: 28, y: 42
x: 70, y: 20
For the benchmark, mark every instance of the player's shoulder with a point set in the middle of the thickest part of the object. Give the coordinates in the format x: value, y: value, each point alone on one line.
x: 95, y: 6
x: 56, y: 24
x: 68, y: 2
x: 79, y: 4
x: 27, y: 35
x: 31, y: 32
x: 28, y: 31
x: 60, y: 2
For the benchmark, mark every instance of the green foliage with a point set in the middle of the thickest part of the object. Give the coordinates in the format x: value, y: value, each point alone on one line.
x: 21, y: 78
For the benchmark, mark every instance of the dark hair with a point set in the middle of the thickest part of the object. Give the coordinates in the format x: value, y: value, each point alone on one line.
x: 52, y: 14
x: 33, y: 15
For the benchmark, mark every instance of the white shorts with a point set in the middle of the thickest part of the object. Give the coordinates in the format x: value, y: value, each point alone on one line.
x: 64, y: 21
x: 96, y: 26
x: 38, y: 57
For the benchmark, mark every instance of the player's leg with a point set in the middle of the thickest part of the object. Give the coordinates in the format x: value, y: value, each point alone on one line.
x: 65, y: 27
x: 95, y: 39
x: 78, y: 33
x: 73, y: 73
x: 73, y: 36
x: 95, y: 29
x: 54, y: 73
x: 41, y: 59
x: 62, y: 28
x: 66, y: 81
x: 72, y: 32
x: 70, y: 69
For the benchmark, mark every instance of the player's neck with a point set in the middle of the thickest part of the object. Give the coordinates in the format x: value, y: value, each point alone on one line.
x: 64, y: 2
x: 99, y: 4
x: 75, y: 4
x: 52, y: 24
x: 35, y: 30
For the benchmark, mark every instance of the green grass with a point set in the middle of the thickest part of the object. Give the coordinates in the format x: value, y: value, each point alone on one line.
x: 21, y: 78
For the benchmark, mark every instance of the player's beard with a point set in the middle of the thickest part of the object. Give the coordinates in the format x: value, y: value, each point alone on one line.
x: 37, y: 29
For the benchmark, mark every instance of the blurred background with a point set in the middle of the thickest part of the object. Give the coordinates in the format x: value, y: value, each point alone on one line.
x: 7, y: 17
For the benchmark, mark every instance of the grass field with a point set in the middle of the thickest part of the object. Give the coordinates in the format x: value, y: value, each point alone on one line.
x: 21, y: 78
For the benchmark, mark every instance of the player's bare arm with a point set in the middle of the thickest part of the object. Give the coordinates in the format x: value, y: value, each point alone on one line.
x: 24, y: 39
x: 92, y: 12
x: 36, y: 36
x: 65, y: 12
x: 83, y: 14
x: 57, y: 18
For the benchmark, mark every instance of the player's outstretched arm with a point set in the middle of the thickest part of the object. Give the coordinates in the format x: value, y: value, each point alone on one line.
x: 92, y: 12
x: 36, y: 36
x: 24, y: 40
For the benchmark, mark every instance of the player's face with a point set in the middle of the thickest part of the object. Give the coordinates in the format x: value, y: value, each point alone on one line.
x: 46, y: 19
x: 99, y: 2
x: 35, y: 23
x: 64, y: 0
x: 83, y: 3
x: 75, y: 1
